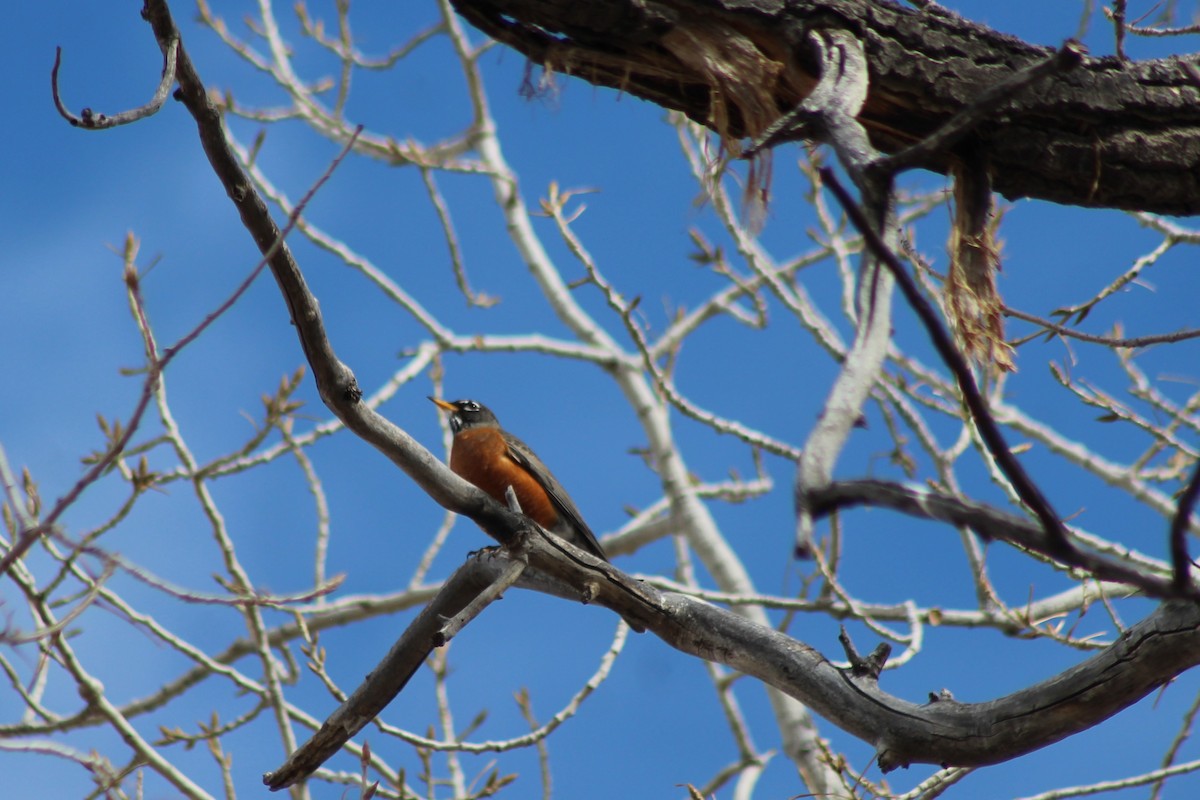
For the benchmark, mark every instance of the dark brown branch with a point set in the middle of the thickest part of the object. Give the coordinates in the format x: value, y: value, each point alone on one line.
x: 975, y: 113
x: 989, y: 523
x: 1181, y: 562
x: 1110, y: 134
x: 864, y: 666
x: 1117, y: 15
x: 1149, y: 654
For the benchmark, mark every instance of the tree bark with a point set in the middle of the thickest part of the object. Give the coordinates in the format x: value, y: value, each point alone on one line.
x: 1110, y: 134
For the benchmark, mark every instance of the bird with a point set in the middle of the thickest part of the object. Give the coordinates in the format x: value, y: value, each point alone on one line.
x: 492, y: 459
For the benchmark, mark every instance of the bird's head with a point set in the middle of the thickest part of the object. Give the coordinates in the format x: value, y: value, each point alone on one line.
x: 466, y: 414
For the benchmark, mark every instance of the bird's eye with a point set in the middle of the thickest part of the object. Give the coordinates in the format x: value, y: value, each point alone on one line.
x: 470, y: 405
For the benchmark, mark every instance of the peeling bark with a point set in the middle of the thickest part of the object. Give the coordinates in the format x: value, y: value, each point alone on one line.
x: 1110, y: 134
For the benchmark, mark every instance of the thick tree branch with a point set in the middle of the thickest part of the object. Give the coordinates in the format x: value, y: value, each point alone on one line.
x: 994, y: 524
x: 942, y: 731
x: 388, y: 679
x: 1110, y: 133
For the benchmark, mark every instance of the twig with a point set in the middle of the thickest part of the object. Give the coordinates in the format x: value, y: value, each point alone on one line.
x: 387, y: 679
x: 343, y: 48
x: 1109, y: 341
x: 1117, y: 15
x: 553, y: 207
x: 474, y: 299
x: 507, y: 577
x: 568, y: 710
x: 90, y: 120
x: 1182, y: 30
x: 1081, y: 310
x: 156, y: 368
x: 483, y: 600
x: 1182, y: 736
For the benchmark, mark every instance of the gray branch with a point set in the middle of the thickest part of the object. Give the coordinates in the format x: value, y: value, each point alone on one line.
x: 940, y: 731
x: 91, y: 120
x: 829, y: 113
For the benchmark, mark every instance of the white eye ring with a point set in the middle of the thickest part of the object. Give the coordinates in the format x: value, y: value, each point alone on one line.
x: 470, y: 405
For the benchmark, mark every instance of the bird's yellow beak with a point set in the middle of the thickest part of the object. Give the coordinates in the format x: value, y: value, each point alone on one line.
x: 442, y: 404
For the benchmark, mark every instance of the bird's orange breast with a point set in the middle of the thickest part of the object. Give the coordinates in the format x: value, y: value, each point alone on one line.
x: 480, y: 456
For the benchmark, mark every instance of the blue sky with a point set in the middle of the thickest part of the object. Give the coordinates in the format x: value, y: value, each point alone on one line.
x: 66, y: 334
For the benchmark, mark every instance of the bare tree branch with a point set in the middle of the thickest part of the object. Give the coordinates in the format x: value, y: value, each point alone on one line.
x: 1059, y: 544
x: 1181, y: 561
x: 90, y: 120
x: 1100, y: 138
x: 831, y: 111
x: 737, y: 66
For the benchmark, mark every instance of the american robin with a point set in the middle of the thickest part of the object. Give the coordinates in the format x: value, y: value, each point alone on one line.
x: 493, y: 459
